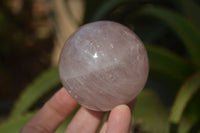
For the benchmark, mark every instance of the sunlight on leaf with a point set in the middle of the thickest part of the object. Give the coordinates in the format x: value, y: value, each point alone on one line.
x: 186, y: 92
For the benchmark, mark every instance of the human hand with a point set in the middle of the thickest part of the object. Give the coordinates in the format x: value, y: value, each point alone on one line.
x: 61, y: 105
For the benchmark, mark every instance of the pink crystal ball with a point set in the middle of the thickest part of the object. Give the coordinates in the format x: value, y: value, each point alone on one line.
x: 103, y: 64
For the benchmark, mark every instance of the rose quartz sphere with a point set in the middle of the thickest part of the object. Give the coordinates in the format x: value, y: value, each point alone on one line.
x: 103, y: 64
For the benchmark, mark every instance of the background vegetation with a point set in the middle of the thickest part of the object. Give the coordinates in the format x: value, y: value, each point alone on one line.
x: 31, y: 30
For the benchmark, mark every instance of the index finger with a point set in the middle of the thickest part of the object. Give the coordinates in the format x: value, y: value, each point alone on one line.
x: 52, y: 114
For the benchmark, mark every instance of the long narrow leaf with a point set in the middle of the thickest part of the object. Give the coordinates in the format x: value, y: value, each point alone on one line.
x: 167, y: 64
x: 35, y: 91
x: 15, y: 125
x: 181, y: 26
x: 186, y: 92
x: 152, y: 116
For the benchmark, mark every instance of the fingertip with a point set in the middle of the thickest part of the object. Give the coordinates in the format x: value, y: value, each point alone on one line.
x: 121, y: 111
x: 119, y: 120
x: 82, y: 119
x: 64, y: 96
x: 121, y: 108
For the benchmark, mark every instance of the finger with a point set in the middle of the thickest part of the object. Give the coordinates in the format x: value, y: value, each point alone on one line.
x: 85, y: 121
x: 52, y: 114
x: 131, y: 106
x: 119, y: 120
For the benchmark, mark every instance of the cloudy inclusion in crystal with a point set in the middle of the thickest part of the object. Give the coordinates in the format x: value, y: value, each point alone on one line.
x: 103, y: 64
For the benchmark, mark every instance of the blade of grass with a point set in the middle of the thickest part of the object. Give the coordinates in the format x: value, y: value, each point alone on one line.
x: 34, y: 91
x: 185, y: 93
x: 181, y: 26
x: 167, y: 64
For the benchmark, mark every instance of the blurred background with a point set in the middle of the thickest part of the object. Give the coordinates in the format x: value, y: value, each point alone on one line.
x: 33, y: 32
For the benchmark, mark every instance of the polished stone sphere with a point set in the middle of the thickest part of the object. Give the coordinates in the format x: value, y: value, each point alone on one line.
x: 103, y: 64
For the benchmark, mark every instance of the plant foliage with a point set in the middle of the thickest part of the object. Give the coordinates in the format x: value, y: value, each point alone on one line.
x: 35, y: 91
x: 175, y: 59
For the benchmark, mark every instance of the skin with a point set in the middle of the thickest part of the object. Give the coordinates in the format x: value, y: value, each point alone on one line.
x: 61, y: 105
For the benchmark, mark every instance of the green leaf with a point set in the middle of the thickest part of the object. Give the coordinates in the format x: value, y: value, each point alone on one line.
x: 192, y: 10
x: 186, y: 92
x: 167, y: 64
x: 192, y: 110
x: 36, y: 90
x: 15, y: 125
x: 150, y: 114
x: 181, y: 26
x: 185, y: 125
